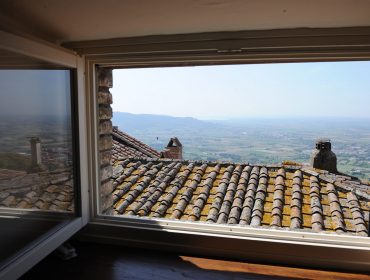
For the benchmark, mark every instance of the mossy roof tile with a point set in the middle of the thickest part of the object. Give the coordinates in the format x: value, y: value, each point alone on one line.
x: 229, y: 193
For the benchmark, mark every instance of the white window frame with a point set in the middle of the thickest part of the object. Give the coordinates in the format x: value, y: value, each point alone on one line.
x: 48, y: 242
x: 257, y: 244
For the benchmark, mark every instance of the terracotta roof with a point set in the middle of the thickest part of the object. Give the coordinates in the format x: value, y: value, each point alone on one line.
x: 45, y: 190
x: 125, y: 146
x: 278, y: 196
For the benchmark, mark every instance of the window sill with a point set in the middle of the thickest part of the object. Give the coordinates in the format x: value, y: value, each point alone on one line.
x: 252, y: 244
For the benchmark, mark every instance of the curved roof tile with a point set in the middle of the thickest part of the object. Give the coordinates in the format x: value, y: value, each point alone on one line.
x: 125, y: 146
x: 278, y: 196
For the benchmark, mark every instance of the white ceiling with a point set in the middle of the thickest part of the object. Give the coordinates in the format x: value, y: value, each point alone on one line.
x: 77, y: 20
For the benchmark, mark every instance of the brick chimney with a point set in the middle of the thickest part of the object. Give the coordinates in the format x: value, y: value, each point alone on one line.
x: 323, y: 157
x: 35, y: 154
x: 173, y: 149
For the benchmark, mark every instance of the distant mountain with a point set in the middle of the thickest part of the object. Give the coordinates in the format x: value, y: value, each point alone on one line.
x: 255, y: 140
x: 133, y: 122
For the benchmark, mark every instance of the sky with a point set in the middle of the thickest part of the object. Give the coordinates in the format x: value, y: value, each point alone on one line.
x: 316, y: 89
x: 35, y: 92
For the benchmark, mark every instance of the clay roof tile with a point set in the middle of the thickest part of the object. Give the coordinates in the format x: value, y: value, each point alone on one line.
x: 241, y: 194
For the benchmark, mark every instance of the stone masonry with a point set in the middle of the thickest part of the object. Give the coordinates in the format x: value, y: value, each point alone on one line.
x: 104, y: 98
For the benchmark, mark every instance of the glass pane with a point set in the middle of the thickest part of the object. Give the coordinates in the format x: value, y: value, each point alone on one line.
x: 37, y: 190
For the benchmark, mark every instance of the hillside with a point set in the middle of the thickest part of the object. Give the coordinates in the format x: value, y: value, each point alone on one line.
x: 133, y: 122
x: 256, y: 140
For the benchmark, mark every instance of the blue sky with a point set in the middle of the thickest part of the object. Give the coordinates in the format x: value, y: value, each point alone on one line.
x: 35, y: 92
x: 243, y: 91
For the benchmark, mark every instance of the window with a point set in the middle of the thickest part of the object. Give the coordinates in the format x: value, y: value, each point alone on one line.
x: 43, y: 186
x: 258, y: 147
x: 217, y: 238
x: 37, y: 156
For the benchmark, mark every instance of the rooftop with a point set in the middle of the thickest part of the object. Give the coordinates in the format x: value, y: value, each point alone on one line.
x: 289, y: 197
x: 44, y: 190
x: 125, y: 145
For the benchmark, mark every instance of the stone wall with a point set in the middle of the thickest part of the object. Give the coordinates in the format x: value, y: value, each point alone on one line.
x: 104, y: 100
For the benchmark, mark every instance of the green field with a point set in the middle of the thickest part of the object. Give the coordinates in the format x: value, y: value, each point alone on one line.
x: 262, y: 141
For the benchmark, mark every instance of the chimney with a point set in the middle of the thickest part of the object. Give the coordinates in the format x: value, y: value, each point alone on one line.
x: 35, y: 154
x: 173, y: 149
x: 323, y: 158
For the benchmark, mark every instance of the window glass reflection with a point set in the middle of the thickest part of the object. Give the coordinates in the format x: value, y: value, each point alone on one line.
x: 36, y: 140
x: 36, y: 155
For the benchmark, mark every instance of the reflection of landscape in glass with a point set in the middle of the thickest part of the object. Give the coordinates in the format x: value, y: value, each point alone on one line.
x: 54, y: 133
x: 36, y: 140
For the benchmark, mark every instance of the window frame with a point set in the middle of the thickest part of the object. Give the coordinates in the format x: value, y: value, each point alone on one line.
x: 245, y: 47
x: 49, y: 55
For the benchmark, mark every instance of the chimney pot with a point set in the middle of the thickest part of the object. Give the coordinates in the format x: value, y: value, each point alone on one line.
x: 323, y: 144
x: 173, y: 149
x: 35, y: 153
x: 323, y: 157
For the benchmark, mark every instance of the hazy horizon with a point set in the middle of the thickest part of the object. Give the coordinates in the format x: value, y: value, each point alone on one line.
x: 366, y: 118
x: 319, y: 89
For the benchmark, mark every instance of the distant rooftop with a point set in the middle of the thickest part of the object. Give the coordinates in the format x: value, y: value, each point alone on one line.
x: 125, y: 145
